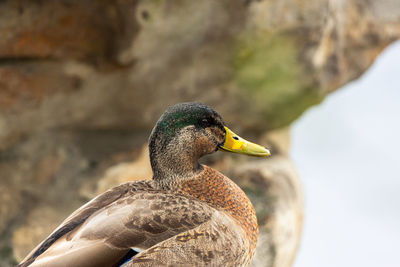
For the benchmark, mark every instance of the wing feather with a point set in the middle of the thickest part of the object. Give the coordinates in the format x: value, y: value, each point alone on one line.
x: 217, y: 242
x: 133, y: 215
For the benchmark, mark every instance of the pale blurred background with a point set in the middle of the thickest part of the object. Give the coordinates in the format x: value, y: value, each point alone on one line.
x: 347, y: 153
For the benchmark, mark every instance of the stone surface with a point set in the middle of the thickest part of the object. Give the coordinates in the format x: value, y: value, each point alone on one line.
x: 82, y: 83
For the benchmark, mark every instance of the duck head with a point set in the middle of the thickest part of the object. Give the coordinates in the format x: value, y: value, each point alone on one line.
x: 186, y: 132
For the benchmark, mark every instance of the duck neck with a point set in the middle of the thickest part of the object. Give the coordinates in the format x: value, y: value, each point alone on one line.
x: 173, y: 163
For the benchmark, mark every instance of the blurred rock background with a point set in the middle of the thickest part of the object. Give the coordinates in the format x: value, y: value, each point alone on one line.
x: 83, y: 82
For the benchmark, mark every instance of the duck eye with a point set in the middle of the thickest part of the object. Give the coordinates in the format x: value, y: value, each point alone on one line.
x: 205, y: 123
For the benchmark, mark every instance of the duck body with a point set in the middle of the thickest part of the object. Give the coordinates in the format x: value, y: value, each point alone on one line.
x: 188, y: 215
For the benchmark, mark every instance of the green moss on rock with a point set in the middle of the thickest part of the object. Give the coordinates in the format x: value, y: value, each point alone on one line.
x: 268, y: 73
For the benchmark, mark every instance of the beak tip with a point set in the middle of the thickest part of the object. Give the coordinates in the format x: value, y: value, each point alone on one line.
x: 267, y: 153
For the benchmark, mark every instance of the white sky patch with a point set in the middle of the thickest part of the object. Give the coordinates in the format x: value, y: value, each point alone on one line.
x: 347, y: 151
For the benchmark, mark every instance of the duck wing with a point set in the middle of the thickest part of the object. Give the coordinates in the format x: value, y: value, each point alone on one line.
x: 217, y: 242
x: 132, y: 215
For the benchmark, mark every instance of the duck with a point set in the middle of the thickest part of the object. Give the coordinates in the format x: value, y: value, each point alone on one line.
x: 188, y: 214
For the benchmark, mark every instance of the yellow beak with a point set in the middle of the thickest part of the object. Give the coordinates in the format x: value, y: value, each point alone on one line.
x: 236, y: 144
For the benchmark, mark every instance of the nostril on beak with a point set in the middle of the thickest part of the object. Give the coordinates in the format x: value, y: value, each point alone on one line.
x: 236, y: 138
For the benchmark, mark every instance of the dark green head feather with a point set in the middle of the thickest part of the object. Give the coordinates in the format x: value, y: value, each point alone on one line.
x: 185, y: 114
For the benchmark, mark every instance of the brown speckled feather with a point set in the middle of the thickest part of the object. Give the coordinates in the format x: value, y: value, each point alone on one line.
x: 222, y: 193
x: 217, y: 242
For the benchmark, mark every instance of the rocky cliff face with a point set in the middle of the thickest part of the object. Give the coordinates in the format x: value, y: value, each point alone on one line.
x: 82, y: 83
